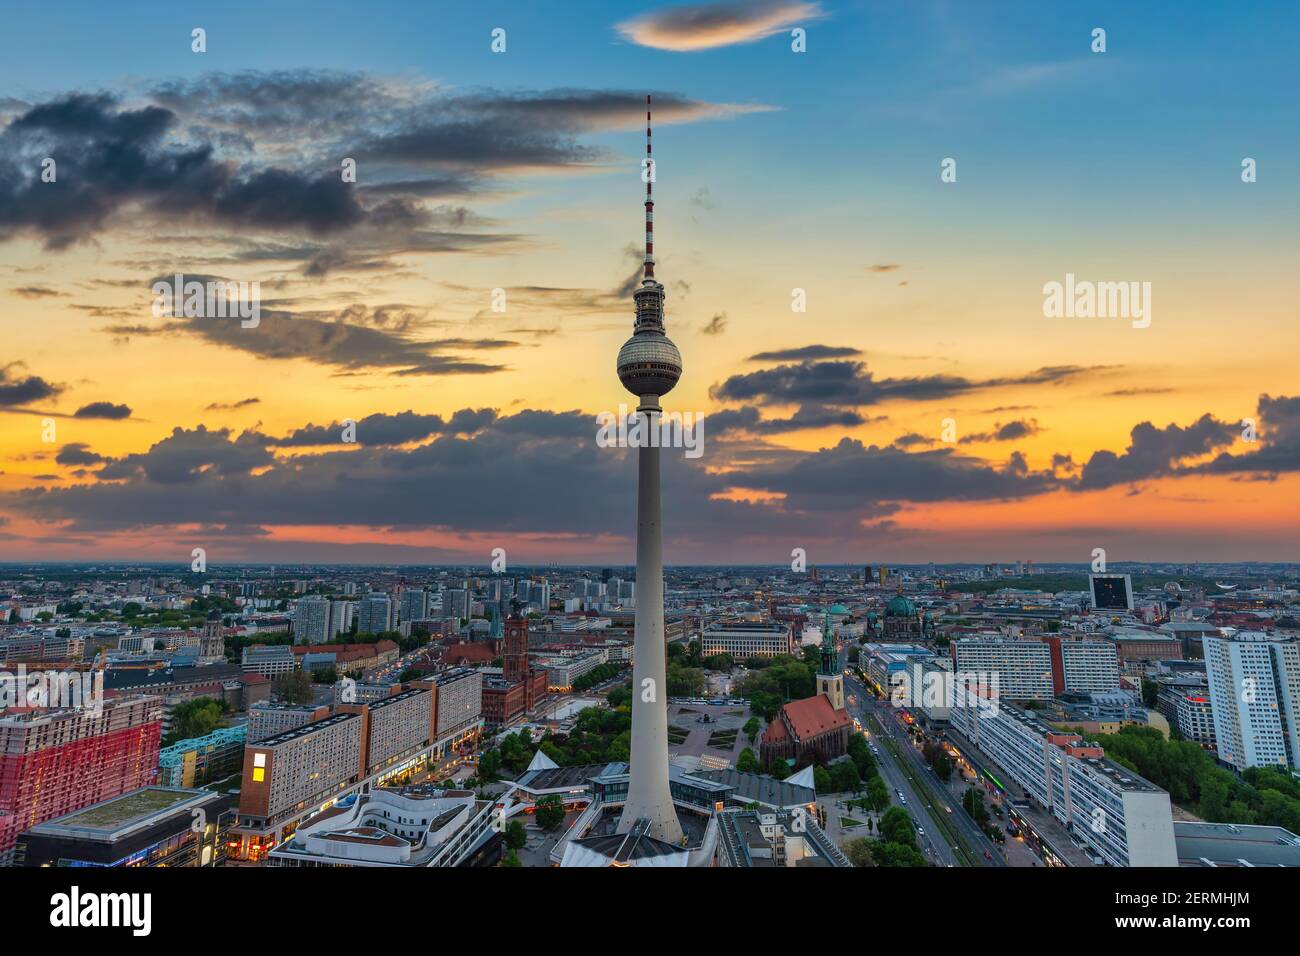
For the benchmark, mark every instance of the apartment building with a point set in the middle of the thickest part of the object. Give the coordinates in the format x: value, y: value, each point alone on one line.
x: 1123, y: 819
x: 1254, y: 683
x: 266, y: 719
x: 53, y: 762
x: 286, y: 774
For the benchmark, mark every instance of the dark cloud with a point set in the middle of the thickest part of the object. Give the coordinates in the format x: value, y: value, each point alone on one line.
x: 78, y: 454
x: 913, y: 439
x: 469, y: 475
x: 853, y: 384
x: 18, y: 389
x: 842, y: 477
x: 1277, y: 445
x: 190, y: 458
x: 103, y: 410
x: 884, y: 267
x: 1155, y: 452
x: 1011, y: 431
x: 805, y: 417
x: 384, y: 429
x: 109, y: 157
x: 805, y: 353
x: 228, y: 406
x: 334, y: 342
x: 717, y: 325
x: 35, y: 292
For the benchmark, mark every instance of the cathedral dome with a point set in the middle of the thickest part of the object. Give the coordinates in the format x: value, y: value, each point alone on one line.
x: 900, y: 607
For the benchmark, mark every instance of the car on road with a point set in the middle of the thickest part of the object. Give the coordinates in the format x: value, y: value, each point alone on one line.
x: 920, y: 831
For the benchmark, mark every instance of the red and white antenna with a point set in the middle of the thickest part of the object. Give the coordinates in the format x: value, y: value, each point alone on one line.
x: 649, y: 199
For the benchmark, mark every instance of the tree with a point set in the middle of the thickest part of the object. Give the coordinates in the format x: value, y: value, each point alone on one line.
x: 973, y: 801
x: 888, y: 853
x: 684, y: 681
x: 822, y: 780
x: 515, y: 835
x: 751, y: 729
x: 938, y: 758
x: 293, y: 687
x: 877, y: 794
x: 550, y: 812
x: 194, y: 718
x: 844, y: 776
x: 747, y: 762
x: 1149, y: 691
x: 896, y: 827
x: 858, y: 851
x: 511, y: 859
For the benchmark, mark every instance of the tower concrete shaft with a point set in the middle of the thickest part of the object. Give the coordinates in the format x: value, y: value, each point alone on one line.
x: 648, y: 796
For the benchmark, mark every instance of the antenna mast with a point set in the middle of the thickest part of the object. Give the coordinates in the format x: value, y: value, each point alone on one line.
x: 649, y: 200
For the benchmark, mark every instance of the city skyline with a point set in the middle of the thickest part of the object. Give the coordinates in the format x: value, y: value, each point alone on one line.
x: 820, y: 171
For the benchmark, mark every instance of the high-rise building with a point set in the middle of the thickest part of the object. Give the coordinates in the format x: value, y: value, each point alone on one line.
x: 53, y: 762
x: 1254, y: 683
x: 1123, y: 819
x: 341, y: 613
x: 311, y: 620
x: 375, y: 614
x: 455, y: 603
x: 1028, y: 669
x: 414, y: 604
x: 649, y: 365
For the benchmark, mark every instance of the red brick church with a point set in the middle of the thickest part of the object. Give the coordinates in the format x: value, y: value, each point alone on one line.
x: 811, y: 730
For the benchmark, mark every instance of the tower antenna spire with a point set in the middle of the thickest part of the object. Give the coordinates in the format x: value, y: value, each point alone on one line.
x: 649, y: 199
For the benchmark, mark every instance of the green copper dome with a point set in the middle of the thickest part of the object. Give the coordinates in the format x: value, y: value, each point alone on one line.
x: 839, y: 609
x: 900, y: 607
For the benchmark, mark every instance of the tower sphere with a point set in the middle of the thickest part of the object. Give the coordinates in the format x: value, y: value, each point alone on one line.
x: 649, y: 364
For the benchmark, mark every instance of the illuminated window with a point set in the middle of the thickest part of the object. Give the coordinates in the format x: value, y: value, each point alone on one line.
x: 259, y: 760
x: 259, y: 774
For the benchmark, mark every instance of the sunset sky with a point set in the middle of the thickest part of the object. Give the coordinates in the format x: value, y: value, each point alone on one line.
x: 776, y: 171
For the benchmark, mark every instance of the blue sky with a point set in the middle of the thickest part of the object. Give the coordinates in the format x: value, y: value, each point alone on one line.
x: 817, y: 170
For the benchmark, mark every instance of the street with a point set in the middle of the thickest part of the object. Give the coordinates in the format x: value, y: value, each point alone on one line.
x: 878, y: 715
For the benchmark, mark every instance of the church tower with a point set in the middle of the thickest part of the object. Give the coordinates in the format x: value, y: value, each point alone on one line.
x: 830, y: 681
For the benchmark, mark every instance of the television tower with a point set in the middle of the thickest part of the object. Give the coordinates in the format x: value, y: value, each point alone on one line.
x: 649, y: 365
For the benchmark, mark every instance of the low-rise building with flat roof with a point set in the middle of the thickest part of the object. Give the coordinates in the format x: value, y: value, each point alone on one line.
x: 152, y: 826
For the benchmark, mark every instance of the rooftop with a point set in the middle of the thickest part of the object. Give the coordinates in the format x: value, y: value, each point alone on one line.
x: 109, y: 818
x: 1229, y: 844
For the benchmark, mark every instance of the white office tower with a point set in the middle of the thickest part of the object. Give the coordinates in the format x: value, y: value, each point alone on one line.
x: 542, y: 596
x: 414, y: 604
x: 375, y: 614
x: 311, y: 620
x: 341, y: 613
x: 1254, y: 696
x: 649, y: 365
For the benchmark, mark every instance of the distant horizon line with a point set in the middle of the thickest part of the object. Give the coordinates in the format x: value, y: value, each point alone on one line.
x: 599, y: 564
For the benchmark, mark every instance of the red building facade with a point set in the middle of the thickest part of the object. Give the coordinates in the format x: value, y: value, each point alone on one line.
x: 53, y: 762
